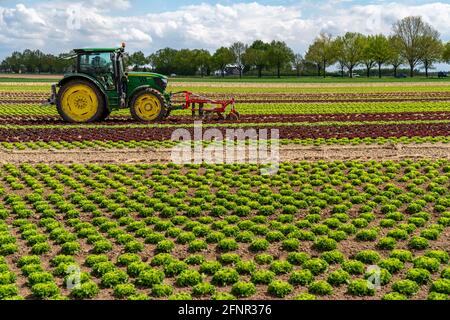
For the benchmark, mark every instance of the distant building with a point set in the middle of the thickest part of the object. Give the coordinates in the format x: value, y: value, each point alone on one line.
x: 230, y: 70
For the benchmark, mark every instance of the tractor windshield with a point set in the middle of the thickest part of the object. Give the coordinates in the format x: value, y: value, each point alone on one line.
x: 98, y: 65
x: 95, y: 63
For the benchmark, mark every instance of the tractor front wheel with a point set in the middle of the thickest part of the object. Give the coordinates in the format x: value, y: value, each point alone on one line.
x: 148, y: 106
x: 80, y: 101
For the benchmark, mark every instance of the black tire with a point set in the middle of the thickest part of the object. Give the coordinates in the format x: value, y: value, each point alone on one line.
x: 163, y: 113
x: 105, y: 115
x: 101, y: 102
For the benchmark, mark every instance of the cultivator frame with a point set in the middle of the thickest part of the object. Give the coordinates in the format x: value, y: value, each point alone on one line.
x: 218, y: 107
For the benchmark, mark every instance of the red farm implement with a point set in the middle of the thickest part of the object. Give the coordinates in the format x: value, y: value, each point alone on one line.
x: 204, y: 107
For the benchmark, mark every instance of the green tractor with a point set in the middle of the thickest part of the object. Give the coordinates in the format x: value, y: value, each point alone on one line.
x: 99, y: 84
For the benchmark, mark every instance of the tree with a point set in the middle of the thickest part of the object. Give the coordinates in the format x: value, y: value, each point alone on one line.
x: 338, y: 47
x: 279, y: 55
x: 4, y: 67
x: 414, y: 34
x: 48, y: 63
x: 256, y: 55
x: 298, y: 62
x: 221, y: 58
x: 432, y: 52
x: 64, y: 63
x: 14, y: 62
x: 395, y: 48
x: 367, y: 57
x: 185, y: 63
x: 446, y: 53
x: 379, y: 50
x: 202, y: 61
x: 163, y: 61
x: 126, y: 60
x: 29, y: 60
x: 38, y: 61
x: 352, y: 49
x: 313, y: 57
x: 238, y: 49
x: 138, y: 59
x: 321, y: 53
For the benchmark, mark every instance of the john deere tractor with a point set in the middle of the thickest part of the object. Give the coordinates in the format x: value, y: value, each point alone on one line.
x: 99, y: 85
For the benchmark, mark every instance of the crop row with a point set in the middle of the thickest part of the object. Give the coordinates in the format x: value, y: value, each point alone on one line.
x: 36, y: 122
x: 236, y: 88
x: 258, y: 88
x: 225, y: 231
x: 142, y: 144
x: 39, y: 97
x: 265, y: 122
x: 268, y: 108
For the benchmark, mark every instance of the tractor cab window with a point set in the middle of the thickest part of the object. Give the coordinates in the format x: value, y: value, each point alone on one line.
x: 100, y: 66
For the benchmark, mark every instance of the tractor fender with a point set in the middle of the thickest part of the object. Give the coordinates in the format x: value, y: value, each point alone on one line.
x: 139, y: 89
x: 80, y: 76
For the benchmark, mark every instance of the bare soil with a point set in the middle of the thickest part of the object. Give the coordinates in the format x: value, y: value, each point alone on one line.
x: 291, y: 153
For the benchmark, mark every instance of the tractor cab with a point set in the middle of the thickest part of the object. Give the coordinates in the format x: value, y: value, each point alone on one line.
x: 107, y: 67
x: 98, y: 65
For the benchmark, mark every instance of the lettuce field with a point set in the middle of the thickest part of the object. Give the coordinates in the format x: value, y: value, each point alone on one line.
x: 363, y: 226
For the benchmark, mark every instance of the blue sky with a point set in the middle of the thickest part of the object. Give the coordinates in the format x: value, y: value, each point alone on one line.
x: 145, y: 6
x: 149, y: 25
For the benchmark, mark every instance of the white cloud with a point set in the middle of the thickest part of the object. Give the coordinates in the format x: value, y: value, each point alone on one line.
x: 110, y: 4
x: 44, y: 26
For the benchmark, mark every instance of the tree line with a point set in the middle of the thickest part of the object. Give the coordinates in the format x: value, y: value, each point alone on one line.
x: 413, y: 42
x: 35, y: 61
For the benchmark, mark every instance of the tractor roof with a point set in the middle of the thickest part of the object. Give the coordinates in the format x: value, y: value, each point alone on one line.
x: 96, y: 50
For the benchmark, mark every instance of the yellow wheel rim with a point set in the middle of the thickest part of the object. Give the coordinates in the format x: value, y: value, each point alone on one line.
x: 80, y: 103
x: 148, y: 107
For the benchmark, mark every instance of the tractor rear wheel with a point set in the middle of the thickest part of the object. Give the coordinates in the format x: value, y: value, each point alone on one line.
x: 80, y: 101
x: 148, y: 106
x: 105, y: 115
